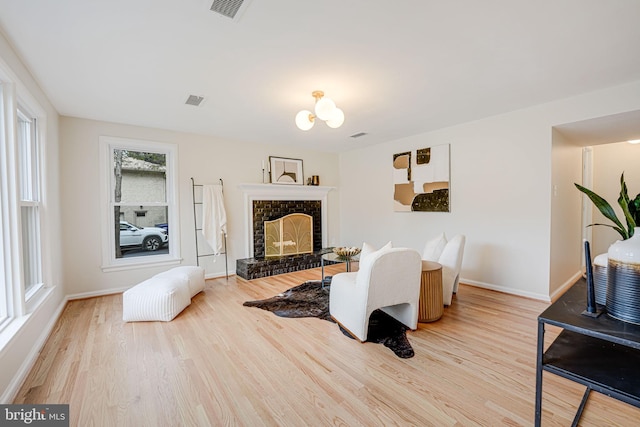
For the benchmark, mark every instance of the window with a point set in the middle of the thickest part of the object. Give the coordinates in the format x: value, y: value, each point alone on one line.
x: 140, y: 219
x: 30, y: 209
x: 5, y: 246
x: 21, y: 200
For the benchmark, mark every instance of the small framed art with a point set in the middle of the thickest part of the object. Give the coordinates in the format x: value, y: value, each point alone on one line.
x: 286, y: 171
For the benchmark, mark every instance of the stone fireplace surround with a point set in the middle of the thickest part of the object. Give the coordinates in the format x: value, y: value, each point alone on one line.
x: 269, y: 201
x: 268, y: 210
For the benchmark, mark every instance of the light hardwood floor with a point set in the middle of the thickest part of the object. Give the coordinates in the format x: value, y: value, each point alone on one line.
x: 219, y: 363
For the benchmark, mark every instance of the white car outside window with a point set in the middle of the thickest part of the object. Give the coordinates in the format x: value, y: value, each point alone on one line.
x: 149, y: 238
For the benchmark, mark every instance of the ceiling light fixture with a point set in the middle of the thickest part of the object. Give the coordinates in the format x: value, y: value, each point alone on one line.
x: 634, y: 141
x: 325, y: 109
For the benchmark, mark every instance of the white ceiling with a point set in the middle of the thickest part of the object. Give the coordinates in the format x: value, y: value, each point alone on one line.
x: 395, y: 68
x: 615, y: 128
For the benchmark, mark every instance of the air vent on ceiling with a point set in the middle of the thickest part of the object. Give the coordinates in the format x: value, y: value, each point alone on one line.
x: 228, y: 8
x: 194, y: 100
x: 358, y: 135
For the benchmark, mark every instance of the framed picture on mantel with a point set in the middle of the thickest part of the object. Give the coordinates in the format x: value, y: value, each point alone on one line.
x: 285, y: 171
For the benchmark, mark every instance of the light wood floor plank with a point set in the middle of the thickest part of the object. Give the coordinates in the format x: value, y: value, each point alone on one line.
x: 221, y: 364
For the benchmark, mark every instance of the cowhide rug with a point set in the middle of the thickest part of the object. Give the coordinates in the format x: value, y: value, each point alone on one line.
x: 310, y: 300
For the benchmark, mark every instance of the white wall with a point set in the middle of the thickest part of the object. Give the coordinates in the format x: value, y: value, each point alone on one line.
x: 609, y: 161
x: 206, y: 159
x: 566, y: 216
x: 501, y: 192
x: 18, y: 354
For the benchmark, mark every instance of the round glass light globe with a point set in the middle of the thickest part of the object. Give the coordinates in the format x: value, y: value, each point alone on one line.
x: 303, y: 120
x: 337, y: 119
x: 324, y: 108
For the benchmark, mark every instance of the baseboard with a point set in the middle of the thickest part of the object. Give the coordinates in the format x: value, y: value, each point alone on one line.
x: 84, y: 295
x: 565, y: 286
x: 219, y: 275
x: 505, y: 290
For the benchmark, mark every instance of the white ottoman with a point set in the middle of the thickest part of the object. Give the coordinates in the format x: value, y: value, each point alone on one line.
x: 158, y: 298
x: 193, y: 275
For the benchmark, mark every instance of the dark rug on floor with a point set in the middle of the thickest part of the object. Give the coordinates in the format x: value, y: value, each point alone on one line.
x: 310, y: 300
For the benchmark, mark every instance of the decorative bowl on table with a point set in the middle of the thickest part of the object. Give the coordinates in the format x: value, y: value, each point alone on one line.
x: 346, y: 251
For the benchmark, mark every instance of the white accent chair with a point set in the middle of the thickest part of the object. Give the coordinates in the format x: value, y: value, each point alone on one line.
x: 388, y: 279
x: 450, y: 258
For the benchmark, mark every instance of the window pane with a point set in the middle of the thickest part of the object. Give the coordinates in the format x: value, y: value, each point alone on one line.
x: 141, y: 235
x: 140, y: 177
x: 28, y: 159
x: 31, y: 247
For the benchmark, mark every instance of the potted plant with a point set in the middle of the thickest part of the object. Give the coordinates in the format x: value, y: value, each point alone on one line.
x: 623, y: 270
x: 630, y: 208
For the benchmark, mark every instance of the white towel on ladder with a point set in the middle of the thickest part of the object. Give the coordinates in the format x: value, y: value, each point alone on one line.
x: 214, y: 217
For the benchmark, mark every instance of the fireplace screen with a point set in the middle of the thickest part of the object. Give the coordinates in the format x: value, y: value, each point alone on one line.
x: 289, y: 235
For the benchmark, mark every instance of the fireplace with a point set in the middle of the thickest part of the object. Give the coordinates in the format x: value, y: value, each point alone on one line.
x: 271, y: 210
x: 289, y: 235
x: 269, y: 202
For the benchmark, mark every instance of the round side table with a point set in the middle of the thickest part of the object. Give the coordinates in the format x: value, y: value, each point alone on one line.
x: 431, y: 306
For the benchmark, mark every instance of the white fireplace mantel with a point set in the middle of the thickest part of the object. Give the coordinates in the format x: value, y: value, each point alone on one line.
x: 253, y: 192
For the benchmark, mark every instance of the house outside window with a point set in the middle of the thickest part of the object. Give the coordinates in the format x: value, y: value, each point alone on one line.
x: 140, y: 222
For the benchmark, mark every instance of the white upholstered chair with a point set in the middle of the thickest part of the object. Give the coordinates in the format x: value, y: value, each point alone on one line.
x: 388, y: 279
x: 449, y: 255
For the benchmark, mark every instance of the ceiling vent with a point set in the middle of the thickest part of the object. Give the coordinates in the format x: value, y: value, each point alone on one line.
x: 358, y: 135
x: 228, y: 8
x: 194, y: 100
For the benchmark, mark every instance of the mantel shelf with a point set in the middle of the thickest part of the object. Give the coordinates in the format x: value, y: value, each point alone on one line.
x: 262, y: 190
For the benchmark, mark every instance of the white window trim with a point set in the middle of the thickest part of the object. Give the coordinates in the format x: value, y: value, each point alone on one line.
x: 36, y: 295
x: 12, y: 305
x: 109, y: 261
x: 32, y: 296
x: 16, y: 304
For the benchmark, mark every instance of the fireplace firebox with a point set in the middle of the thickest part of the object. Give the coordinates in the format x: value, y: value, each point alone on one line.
x: 290, y: 235
x: 269, y: 210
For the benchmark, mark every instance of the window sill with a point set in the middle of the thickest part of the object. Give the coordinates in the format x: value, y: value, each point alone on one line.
x: 37, y: 297
x: 12, y: 326
x: 135, y: 264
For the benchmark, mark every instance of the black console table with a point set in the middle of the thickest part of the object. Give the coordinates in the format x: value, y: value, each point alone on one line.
x: 600, y: 353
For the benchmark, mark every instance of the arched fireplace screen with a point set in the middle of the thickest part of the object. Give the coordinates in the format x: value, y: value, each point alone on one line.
x: 289, y: 235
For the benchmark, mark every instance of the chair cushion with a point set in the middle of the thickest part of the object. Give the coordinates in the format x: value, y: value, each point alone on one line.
x: 368, y: 249
x: 434, y: 247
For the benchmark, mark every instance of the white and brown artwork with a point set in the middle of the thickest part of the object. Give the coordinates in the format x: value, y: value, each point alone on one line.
x: 421, y: 180
x: 285, y: 171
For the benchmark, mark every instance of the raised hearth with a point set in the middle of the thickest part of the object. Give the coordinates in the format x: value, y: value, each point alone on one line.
x: 252, y: 268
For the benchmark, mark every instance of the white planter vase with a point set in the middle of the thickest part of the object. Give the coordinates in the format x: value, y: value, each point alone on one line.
x: 600, y: 266
x: 623, y: 279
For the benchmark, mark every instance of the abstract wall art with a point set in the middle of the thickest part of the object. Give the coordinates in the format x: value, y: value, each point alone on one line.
x: 285, y: 171
x: 421, y: 180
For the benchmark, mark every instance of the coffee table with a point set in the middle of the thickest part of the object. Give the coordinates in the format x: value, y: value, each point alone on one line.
x: 333, y: 258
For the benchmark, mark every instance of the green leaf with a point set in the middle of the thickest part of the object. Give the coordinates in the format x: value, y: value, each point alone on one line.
x: 618, y: 229
x: 634, y: 209
x: 623, y: 201
x: 606, y: 210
